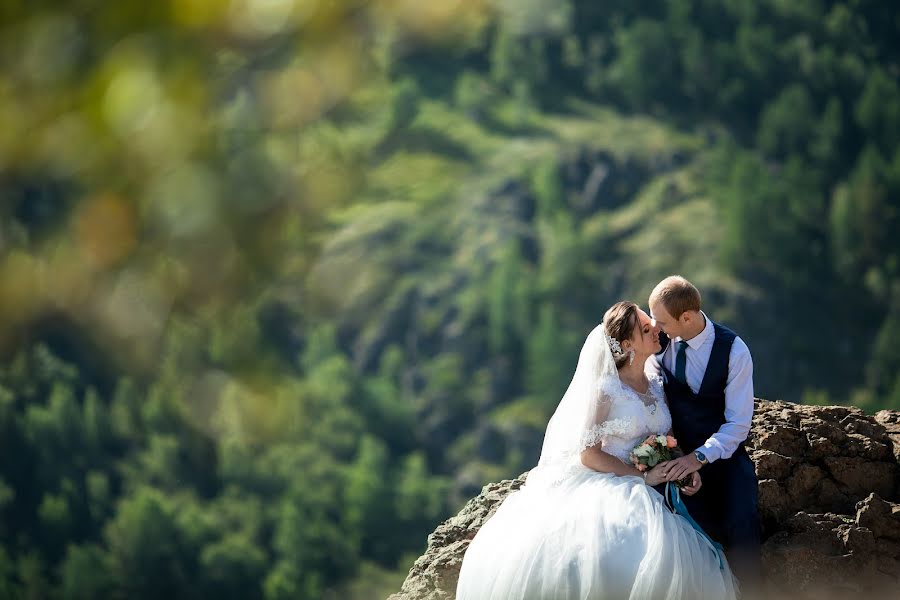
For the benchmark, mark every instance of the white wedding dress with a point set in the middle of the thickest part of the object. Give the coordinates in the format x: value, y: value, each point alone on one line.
x: 574, y: 533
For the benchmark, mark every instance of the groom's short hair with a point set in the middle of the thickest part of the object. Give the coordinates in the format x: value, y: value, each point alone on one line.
x: 677, y: 294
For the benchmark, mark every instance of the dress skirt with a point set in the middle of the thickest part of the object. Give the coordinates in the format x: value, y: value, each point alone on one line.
x: 590, y: 536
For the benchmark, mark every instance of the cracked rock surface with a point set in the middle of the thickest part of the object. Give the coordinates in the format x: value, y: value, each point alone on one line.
x: 829, y: 502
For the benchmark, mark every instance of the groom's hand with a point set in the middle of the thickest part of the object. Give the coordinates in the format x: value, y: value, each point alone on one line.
x: 682, y: 467
x: 694, y: 487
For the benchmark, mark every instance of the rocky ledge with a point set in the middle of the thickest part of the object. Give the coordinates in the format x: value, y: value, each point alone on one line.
x: 829, y: 500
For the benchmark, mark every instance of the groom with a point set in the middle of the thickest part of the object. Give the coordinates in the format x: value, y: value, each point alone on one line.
x: 708, y: 376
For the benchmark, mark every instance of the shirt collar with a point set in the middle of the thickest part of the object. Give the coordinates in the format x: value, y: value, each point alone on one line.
x: 698, y: 340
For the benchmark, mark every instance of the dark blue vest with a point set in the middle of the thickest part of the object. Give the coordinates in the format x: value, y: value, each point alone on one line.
x: 695, y: 417
x: 726, y: 506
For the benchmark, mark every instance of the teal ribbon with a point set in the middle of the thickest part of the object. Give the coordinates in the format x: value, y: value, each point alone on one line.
x: 676, y: 505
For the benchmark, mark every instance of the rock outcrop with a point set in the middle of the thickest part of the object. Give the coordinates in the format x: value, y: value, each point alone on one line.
x: 829, y: 501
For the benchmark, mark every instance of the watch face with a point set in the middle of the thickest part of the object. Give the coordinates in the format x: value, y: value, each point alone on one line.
x: 700, y: 456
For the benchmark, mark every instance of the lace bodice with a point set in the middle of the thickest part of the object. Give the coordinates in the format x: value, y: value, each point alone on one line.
x: 630, y: 419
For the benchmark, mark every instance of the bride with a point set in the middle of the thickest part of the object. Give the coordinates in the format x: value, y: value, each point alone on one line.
x: 587, y: 524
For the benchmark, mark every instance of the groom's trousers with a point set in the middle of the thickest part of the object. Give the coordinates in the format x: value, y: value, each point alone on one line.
x: 726, y: 508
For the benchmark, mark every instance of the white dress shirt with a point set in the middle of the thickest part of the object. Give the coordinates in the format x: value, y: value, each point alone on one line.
x: 738, y: 387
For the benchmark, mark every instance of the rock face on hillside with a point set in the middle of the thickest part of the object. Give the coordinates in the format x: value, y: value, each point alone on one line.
x: 829, y: 499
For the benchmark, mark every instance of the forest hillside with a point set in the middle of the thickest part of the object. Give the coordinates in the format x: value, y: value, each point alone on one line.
x: 283, y: 283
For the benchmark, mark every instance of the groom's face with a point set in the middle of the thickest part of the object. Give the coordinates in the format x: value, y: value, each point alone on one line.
x: 670, y: 325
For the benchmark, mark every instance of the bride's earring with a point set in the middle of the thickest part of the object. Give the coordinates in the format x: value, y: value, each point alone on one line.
x: 631, y: 357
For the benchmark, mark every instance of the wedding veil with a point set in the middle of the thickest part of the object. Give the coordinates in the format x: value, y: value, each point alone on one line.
x: 585, y: 404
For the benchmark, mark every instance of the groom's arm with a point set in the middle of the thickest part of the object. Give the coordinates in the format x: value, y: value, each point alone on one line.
x: 738, y: 414
x: 652, y: 368
x: 738, y: 405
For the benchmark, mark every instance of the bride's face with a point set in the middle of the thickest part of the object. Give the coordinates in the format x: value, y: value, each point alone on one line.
x: 645, y: 337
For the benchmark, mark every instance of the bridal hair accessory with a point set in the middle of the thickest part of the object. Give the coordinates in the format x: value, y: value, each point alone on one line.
x: 614, y: 346
x: 616, y: 349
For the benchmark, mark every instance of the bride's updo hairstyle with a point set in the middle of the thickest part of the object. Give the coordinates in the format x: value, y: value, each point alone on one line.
x: 620, y: 321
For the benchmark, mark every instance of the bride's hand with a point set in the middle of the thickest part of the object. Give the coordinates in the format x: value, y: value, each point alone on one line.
x: 694, y: 487
x: 655, y: 476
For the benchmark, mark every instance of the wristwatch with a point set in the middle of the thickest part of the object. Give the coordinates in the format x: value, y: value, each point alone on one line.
x: 701, y: 457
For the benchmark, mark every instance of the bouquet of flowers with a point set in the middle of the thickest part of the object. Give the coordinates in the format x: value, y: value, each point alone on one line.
x: 654, y: 450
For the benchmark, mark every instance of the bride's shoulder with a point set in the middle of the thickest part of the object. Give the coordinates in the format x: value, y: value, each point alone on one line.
x: 609, y: 387
x: 656, y: 382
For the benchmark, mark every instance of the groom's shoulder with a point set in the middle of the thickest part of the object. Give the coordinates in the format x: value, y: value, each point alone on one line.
x: 738, y: 346
x: 726, y: 331
x: 723, y: 329
x: 740, y: 351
